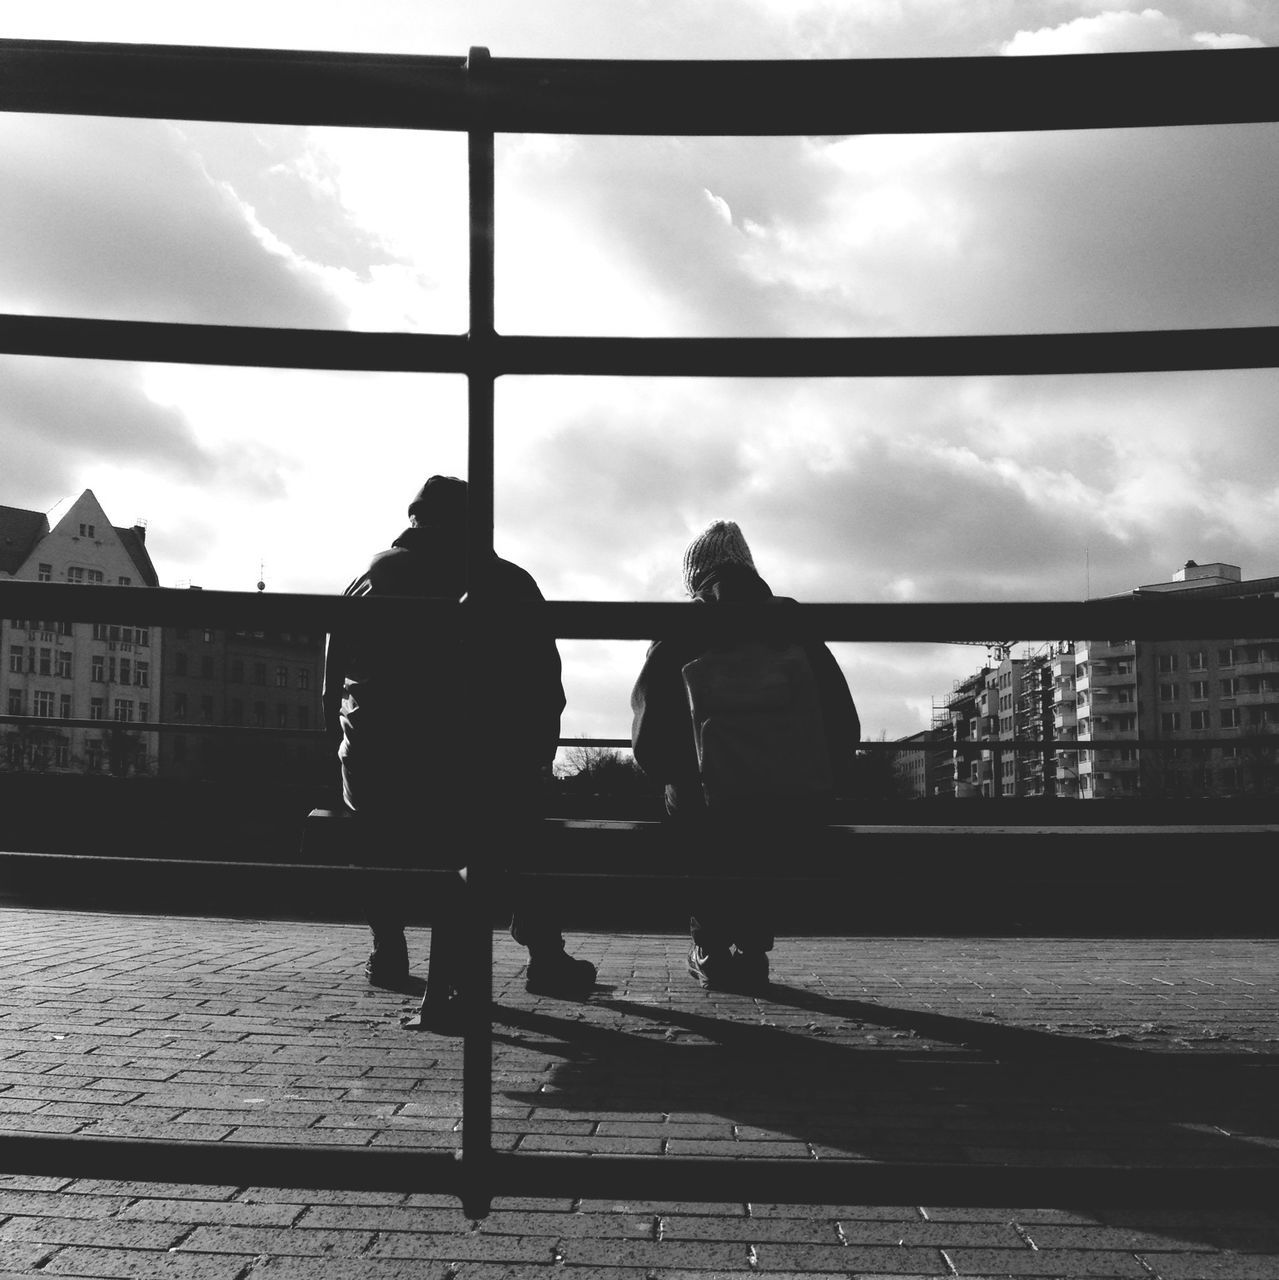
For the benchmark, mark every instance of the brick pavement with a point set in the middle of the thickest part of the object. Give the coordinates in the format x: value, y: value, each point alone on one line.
x: 1087, y: 1051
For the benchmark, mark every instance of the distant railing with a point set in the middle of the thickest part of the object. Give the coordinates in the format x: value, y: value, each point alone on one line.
x: 482, y: 96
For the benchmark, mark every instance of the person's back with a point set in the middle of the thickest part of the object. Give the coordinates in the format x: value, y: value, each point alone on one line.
x: 405, y: 702
x: 800, y: 693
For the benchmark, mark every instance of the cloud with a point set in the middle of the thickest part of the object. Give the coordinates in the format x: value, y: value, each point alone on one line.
x: 117, y: 218
x: 64, y: 416
x: 1122, y: 31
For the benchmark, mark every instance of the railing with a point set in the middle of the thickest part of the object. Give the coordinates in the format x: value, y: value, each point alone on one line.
x: 482, y: 96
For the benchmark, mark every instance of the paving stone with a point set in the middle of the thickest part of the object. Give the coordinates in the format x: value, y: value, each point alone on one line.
x: 268, y: 1027
x: 107, y: 1232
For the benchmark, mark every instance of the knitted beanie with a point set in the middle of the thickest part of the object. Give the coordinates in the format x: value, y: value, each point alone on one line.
x: 720, y: 543
x: 441, y: 502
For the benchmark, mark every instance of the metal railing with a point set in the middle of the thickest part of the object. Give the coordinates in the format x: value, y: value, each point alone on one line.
x: 482, y: 96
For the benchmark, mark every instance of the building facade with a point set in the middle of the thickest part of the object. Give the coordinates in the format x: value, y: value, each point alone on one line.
x: 55, y: 670
x: 1101, y: 696
x: 253, y: 700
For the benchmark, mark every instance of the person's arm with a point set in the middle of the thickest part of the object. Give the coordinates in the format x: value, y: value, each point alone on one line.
x: 839, y: 713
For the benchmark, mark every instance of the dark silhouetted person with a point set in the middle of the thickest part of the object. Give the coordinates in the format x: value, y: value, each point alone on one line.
x: 752, y: 739
x: 404, y: 706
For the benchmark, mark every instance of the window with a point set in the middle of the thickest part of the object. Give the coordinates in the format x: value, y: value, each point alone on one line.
x: 96, y: 577
x: 126, y: 671
x: 259, y: 673
x: 15, y: 703
x: 1199, y: 720
x: 144, y: 711
x: 75, y: 574
x: 99, y: 667
x: 142, y: 674
x: 206, y: 667
x: 1168, y: 693
x: 16, y: 655
x: 1225, y: 657
x: 1229, y: 687
x: 46, y: 662
x: 208, y: 636
x: 64, y: 706
x: 179, y: 664
x: 62, y: 757
x: 1230, y: 717
x: 259, y: 713
x: 97, y: 708
x: 1126, y: 724
x: 1170, y: 722
x: 281, y: 677
x: 281, y: 715
x: 304, y: 677
x: 237, y: 670
x: 99, y: 630
x: 125, y: 582
x: 43, y: 703
x: 1197, y: 661
x: 142, y: 635
x: 124, y: 709
x: 179, y: 706
x: 44, y: 573
x: 1167, y: 662
x: 206, y: 709
x: 64, y: 663
x: 86, y: 531
x: 1199, y: 690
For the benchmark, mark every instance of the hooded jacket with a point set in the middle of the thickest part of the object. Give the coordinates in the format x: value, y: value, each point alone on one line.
x: 662, y: 729
x: 404, y: 703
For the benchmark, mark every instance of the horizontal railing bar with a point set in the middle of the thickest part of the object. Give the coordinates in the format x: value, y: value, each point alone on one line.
x: 262, y: 86
x: 783, y: 1181
x: 959, y: 355
x: 644, y: 97
x: 156, y: 726
x: 232, y: 345
x: 965, y: 746
x: 232, y: 1163
x: 951, y: 355
x: 1169, y: 616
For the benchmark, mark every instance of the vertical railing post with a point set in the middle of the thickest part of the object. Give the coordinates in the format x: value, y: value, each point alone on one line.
x: 477, y: 958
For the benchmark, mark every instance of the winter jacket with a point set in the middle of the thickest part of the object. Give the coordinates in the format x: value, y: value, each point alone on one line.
x: 404, y: 704
x: 662, y: 729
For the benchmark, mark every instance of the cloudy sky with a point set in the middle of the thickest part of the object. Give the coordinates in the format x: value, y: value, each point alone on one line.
x: 1047, y: 488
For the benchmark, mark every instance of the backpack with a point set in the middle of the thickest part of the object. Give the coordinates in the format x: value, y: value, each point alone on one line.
x: 757, y: 725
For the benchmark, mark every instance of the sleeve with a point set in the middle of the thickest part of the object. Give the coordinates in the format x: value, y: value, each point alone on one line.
x: 661, y: 732
x: 843, y: 725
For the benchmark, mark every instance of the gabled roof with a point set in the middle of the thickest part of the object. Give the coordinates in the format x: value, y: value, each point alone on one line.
x: 20, y: 530
x: 131, y: 541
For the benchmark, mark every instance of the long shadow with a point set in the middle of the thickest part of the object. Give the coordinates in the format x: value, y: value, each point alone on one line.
x: 1007, y: 1043
x: 1014, y: 1096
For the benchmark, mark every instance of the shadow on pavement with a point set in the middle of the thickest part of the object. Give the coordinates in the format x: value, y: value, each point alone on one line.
x: 963, y: 1092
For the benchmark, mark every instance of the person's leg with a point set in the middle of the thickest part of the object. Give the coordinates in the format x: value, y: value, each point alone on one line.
x: 536, y: 921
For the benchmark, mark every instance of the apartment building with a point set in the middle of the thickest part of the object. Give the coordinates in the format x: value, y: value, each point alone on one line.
x: 1103, y: 695
x: 220, y: 681
x: 55, y: 670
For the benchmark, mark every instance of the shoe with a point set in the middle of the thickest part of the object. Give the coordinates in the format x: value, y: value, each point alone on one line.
x: 709, y: 969
x: 748, y: 972
x: 556, y: 973
x: 390, y: 972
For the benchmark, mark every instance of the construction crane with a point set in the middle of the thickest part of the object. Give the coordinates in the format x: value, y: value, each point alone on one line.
x: 996, y: 649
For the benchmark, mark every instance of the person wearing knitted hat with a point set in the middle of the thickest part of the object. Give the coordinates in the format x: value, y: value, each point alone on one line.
x: 809, y: 746
x: 398, y: 708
